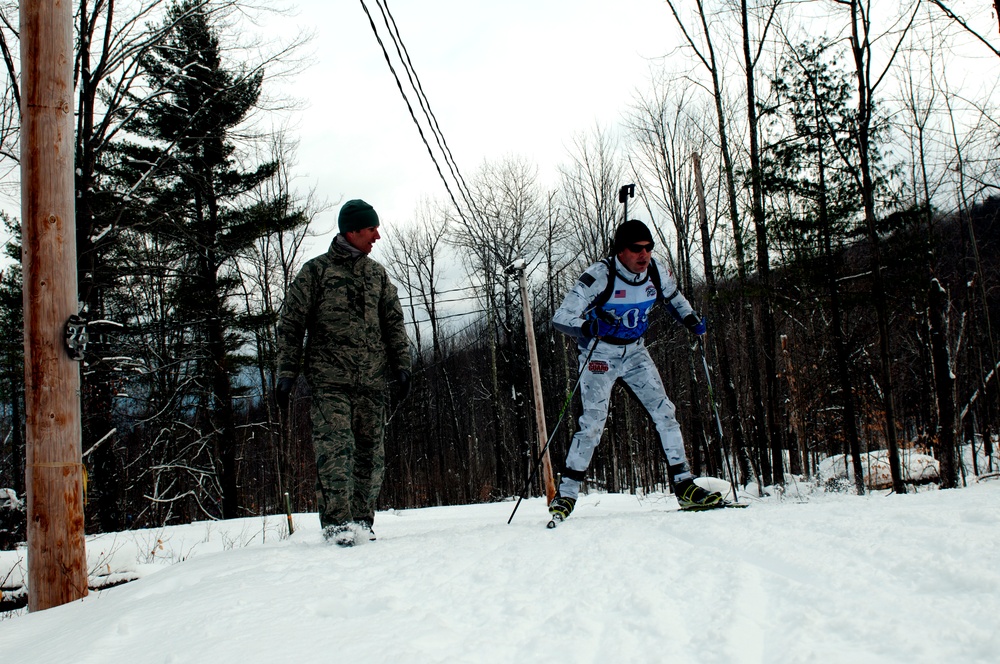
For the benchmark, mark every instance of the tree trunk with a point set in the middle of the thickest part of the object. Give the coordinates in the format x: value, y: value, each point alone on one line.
x: 860, y: 48
x: 796, y: 413
x: 739, y: 441
x: 944, y: 382
x: 767, y: 344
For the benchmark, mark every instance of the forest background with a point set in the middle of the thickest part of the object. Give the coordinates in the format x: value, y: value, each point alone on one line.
x: 844, y: 251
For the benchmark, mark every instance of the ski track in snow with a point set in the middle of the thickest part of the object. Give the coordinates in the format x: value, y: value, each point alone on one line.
x: 625, y: 579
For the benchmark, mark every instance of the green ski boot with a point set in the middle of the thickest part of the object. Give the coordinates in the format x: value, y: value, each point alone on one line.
x: 693, y: 498
x: 560, y: 508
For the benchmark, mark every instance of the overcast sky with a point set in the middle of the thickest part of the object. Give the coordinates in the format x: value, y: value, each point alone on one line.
x: 503, y: 77
x: 513, y: 77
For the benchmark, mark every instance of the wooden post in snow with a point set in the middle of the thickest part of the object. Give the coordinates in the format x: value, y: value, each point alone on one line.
x: 57, y: 570
x: 536, y: 382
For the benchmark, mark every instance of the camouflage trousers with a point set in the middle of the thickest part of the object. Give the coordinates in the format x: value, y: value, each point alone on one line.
x: 349, y: 441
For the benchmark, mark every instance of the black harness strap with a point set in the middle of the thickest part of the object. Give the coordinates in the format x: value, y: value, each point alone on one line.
x: 605, y: 295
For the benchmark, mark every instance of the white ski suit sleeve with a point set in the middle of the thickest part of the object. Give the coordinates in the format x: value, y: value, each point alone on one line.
x: 676, y: 303
x: 571, y: 314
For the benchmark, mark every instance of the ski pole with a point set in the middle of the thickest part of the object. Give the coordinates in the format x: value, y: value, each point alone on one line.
x: 718, y: 420
x: 541, y: 455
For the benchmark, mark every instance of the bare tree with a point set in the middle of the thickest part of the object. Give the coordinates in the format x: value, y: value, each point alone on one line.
x: 666, y: 138
x: 510, y: 223
x: 703, y: 47
x: 432, y: 438
x: 965, y: 25
x: 861, y: 41
x: 944, y: 382
x: 764, y: 14
x: 415, y: 253
x: 265, y: 269
x: 10, y: 102
x: 969, y: 165
x: 590, y: 184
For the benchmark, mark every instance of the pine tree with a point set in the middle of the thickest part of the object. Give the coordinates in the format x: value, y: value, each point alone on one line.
x: 12, y: 358
x: 199, y: 210
x: 810, y: 168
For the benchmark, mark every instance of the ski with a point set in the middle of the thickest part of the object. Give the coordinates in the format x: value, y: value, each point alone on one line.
x: 725, y: 504
x: 557, y: 519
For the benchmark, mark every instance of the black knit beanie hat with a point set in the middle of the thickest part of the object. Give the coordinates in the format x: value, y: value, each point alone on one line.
x: 630, y: 232
x: 355, y: 215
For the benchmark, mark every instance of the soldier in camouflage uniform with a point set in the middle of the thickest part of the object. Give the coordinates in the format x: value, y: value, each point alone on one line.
x: 346, y: 311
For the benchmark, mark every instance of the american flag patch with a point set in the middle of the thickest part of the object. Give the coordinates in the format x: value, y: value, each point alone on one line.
x: 620, y: 292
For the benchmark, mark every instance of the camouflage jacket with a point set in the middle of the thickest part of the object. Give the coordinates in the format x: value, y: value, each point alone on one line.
x: 346, y: 310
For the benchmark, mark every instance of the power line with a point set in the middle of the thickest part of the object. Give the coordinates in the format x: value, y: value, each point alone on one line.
x: 437, y: 292
x: 425, y: 104
x: 425, y: 107
x: 409, y: 303
x: 438, y: 318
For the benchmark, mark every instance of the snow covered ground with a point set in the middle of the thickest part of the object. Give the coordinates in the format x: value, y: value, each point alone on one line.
x: 808, y: 577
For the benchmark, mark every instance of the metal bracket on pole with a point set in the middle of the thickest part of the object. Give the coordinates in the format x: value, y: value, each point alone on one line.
x: 76, y: 337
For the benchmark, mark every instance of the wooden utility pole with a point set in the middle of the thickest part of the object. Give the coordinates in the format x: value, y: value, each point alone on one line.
x: 57, y: 570
x: 536, y: 381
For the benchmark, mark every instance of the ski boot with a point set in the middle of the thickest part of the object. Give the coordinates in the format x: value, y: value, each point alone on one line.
x: 692, y: 497
x: 559, y: 509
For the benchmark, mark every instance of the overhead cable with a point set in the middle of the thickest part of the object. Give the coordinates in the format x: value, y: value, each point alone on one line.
x: 413, y: 115
x: 425, y: 104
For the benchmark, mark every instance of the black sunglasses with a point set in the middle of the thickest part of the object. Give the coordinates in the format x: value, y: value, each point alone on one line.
x: 636, y: 248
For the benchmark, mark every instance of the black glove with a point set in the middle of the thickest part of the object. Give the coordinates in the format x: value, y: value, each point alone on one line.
x: 282, y: 391
x: 401, y: 388
x: 696, y: 325
x: 599, y: 327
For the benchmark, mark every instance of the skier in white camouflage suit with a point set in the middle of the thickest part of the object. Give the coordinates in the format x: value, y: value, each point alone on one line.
x: 609, y: 307
x: 346, y: 310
